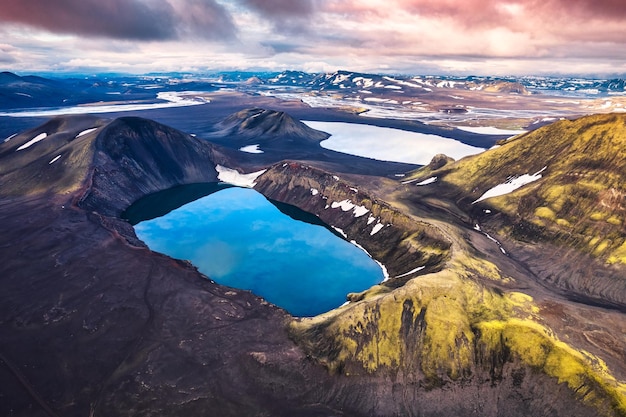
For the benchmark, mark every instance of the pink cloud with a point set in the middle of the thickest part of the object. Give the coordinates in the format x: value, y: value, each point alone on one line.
x: 541, y: 16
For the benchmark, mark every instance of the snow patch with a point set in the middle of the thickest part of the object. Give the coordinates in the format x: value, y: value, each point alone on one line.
x: 491, y: 238
x: 34, y: 140
x: 354, y: 242
x: 360, y: 211
x: 85, y: 132
x: 371, y: 220
x: 427, y: 181
x: 10, y: 137
x: 314, y: 191
x: 233, y: 177
x: 377, y: 228
x: 511, y: 185
x: 56, y: 158
x: 376, y: 100
x: 424, y: 182
x: 364, y: 82
x: 490, y: 130
x: 384, y: 268
x: 401, y: 82
x: 341, y: 232
x: 412, y: 271
x: 339, y: 78
x: 345, y: 205
x: 488, y: 236
x: 251, y: 149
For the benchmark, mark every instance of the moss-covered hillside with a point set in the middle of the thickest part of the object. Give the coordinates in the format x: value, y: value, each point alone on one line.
x: 579, y: 199
x: 471, y: 323
x: 447, y: 329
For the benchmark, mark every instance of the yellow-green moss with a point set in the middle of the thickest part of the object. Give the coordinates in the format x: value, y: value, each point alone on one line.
x: 448, y: 342
x: 457, y: 314
x: 618, y: 255
x: 599, y: 250
x: 469, y: 265
x: 537, y: 347
x: 556, y: 196
x: 598, y: 216
x: 563, y: 222
x: 369, y: 293
x: 545, y: 213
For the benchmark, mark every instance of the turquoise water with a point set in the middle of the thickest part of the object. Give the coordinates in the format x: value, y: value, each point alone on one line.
x: 239, y: 239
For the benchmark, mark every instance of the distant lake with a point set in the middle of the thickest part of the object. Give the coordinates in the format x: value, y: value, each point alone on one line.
x: 240, y: 239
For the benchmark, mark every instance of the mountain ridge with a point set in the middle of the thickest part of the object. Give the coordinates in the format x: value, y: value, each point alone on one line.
x: 267, y: 126
x: 574, y: 201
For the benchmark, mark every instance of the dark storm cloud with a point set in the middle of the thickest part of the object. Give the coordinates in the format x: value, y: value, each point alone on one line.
x: 288, y: 16
x: 6, y: 58
x: 282, y: 47
x: 203, y: 19
x: 122, y: 19
x: 280, y: 9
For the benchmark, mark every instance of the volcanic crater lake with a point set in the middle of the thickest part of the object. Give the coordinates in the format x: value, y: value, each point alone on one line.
x: 240, y: 239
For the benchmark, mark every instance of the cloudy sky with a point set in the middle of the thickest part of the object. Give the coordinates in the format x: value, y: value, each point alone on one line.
x: 492, y: 37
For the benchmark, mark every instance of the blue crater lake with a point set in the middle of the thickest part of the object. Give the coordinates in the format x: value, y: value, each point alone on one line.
x: 240, y: 239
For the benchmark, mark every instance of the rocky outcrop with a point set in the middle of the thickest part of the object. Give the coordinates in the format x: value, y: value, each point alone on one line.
x: 269, y: 126
x: 134, y: 157
x: 507, y: 87
x: 402, y: 244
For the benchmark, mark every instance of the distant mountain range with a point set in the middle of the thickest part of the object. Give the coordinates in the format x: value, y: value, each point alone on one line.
x: 522, y: 85
x: 17, y: 92
x: 21, y: 92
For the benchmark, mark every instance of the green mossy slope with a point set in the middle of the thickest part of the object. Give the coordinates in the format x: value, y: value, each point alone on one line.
x: 444, y: 328
x: 580, y: 199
